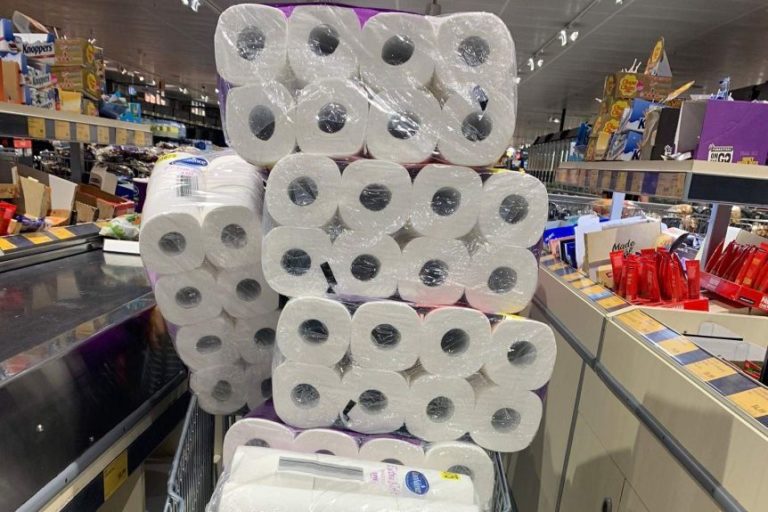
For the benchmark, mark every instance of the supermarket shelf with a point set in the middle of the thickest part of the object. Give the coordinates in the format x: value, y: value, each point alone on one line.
x: 688, y: 180
x: 47, y: 124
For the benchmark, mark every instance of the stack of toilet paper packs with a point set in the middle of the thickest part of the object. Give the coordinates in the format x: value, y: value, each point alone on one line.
x: 200, y: 240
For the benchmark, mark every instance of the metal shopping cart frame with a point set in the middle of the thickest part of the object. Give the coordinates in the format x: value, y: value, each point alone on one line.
x: 193, y: 473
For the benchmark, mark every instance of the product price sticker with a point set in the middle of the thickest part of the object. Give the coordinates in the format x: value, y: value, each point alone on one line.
x: 754, y: 401
x: 677, y: 346
x: 710, y: 369
x: 640, y: 322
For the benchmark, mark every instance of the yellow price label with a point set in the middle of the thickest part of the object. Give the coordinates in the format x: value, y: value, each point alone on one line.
x: 640, y: 322
x: 140, y: 138
x: 594, y: 290
x: 115, y: 474
x: 558, y: 266
x: 121, y: 136
x: 611, y: 302
x: 36, y: 127
x: 37, y: 238
x: 710, y: 369
x: 82, y: 132
x: 754, y: 401
x: 6, y: 245
x: 102, y: 135
x: 61, y: 233
x: 582, y: 283
x: 61, y: 130
x: 573, y: 276
x: 547, y: 257
x: 677, y: 346
x: 445, y: 475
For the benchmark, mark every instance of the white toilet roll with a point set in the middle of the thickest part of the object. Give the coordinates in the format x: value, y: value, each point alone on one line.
x: 514, y: 209
x: 403, y: 125
x: 476, y: 135
x: 259, y: 122
x: 376, y: 400
x: 465, y: 459
x: 292, y: 259
x: 314, y: 330
x: 386, y: 335
x: 434, y: 271
x: 232, y: 233
x: 323, y: 42
x: 501, y: 279
x: 446, y: 201
x: 307, y: 395
x: 329, y: 442
x: 255, y: 432
x: 331, y: 116
x: 440, y: 408
x: 474, y: 46
x: 522, y: 354
x: 245, y: 292
x: 188, y: 298
x: 303, y: 190
x: 376, y: 196
x: 258, y: 384
x: 249, y: 44
x: 219, y: 389
x: 456, y: 341
x: 208, y: 343
x: 398, y: 49
x: 255, y: 337
x: 365, y: 264
x: 393, y: 451
x: 504, y: 420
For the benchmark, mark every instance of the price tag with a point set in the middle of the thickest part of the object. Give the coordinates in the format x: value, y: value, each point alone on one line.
x: 754, y: 401
x: 83, y: 132
x: 677, y: 346
x: 640, y: 322
x: 558, y: 266
x: 37, y: 238
x: 140, y: 138
x: 61, y: 233
x: 121, y: 137
x: 572, y: 276
x: 102, y: 135
x: 582, y: 283
x: 611, y: 302
x: 115, y: 474
x: 61, y: 130
x: 710, y: 369
x: 5, y: 244
x: 36, y: 127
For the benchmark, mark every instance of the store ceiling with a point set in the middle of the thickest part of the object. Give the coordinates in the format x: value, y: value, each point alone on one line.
x: 706, y: 39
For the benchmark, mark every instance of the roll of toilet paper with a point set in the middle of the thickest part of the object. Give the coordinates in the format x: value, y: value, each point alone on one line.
x: 446, y: 201
x: 376, y: 196
x: 232, y: 226
x: 307, y: 395
x: 434, y: 271
x: 303, y: 190
x: 331, y: 116
x: 393, y: 451
x: 254, y: 337
x: 249, y: 44
x: 219, y: 389
x: 376, y: 400
x: 292, y: 260
x: 365, y: 264
x: 259, y: 122
x: 386, y: 335
x: 474, y: 46
x: 208, y: 343
x: 456, y: 341
x: 514, y: 209
x: 255, y: 432
x: 522, y: 354
x: 328, y: 442
x: 501, y: 279
x: 244, y: 292
x: 403, y: 125
x: 314, y: 330
x: 474, y: 134
x: 504, y: 420
x: 188, y: 298
x: 258, y: 384
x: 440, y: 408
x: 399, y: 50
x: 323, y: 42
x: 465, y: 459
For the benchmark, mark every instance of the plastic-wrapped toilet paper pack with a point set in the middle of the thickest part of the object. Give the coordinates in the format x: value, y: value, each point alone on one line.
x: 307, y: 395
x: 392, y: 450
x: 314, y: 330
x: 219, y: 389
x: 328, y: 442
x: 293, y: 259
x: 521, y: 355
x: 465, y: 459
x: 245, y: 293
x: 189, y: 297
x: 258, y: 383
x: 501, y: 279
x: 331, y: 117
x: 254, y: 337
x: 455, y: 341
x: 398, y: 48
x: 323, y: 42
x: 433, y: 271
x: 256, y: 432
x: 440, y: 408
x: 259, y: 122
x: 376, y: 196
x: 386, y: 335
x: 250, y: 44
x: 375, y: 400
x: 207, y: 343
x: 365, y: 264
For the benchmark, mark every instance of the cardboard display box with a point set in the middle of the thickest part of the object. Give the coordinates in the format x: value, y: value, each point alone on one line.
x: 38, y: 194
x: 91, y: 203
x: 630, y: 238
x: 74, y: 52
x: 72, y: 101
x: 625, y: 85
x: 10, y: 79
x: 78, y: 79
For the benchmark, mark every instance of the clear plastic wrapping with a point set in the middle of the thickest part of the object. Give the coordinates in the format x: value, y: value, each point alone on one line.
x: 436, y: 234
x: 343, y: 81
x: 200, y: 240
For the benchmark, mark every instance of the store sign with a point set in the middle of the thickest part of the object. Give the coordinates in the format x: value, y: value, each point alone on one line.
x: 723, y: 154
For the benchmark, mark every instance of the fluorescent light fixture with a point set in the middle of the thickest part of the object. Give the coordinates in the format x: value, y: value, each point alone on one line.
x: 563, y: 38
x: 574, y: 35
x: 531, y: 64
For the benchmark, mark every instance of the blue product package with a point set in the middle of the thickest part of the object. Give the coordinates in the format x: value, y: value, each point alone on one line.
x: 6, y: 29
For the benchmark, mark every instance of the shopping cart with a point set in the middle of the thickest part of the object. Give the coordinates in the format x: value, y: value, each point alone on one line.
x: 193, y: 474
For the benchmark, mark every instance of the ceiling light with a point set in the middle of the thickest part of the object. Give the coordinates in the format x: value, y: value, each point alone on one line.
x: 153, y: 82
x: 517, y: 79
x: 574, y: 35
x: 217, y: 90
x: 619, y: 2
x: 141, y: 78
x: 563, y: 38
x: 540, y: 62
x: 531, y: 64
x: 123, y: 71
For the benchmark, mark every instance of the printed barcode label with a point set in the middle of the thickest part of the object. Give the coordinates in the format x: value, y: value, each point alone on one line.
x: 320, y: 469
x: 186, y: 185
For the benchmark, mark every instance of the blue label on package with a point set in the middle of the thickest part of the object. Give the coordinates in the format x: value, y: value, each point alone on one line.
x: 417, y: 482
x: 201, y: 162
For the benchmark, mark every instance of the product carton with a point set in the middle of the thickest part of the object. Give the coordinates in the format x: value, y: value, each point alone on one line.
x: 630, y: 238
x: 91, y: 203
x: 78, y: 79
x: 74, y: 52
